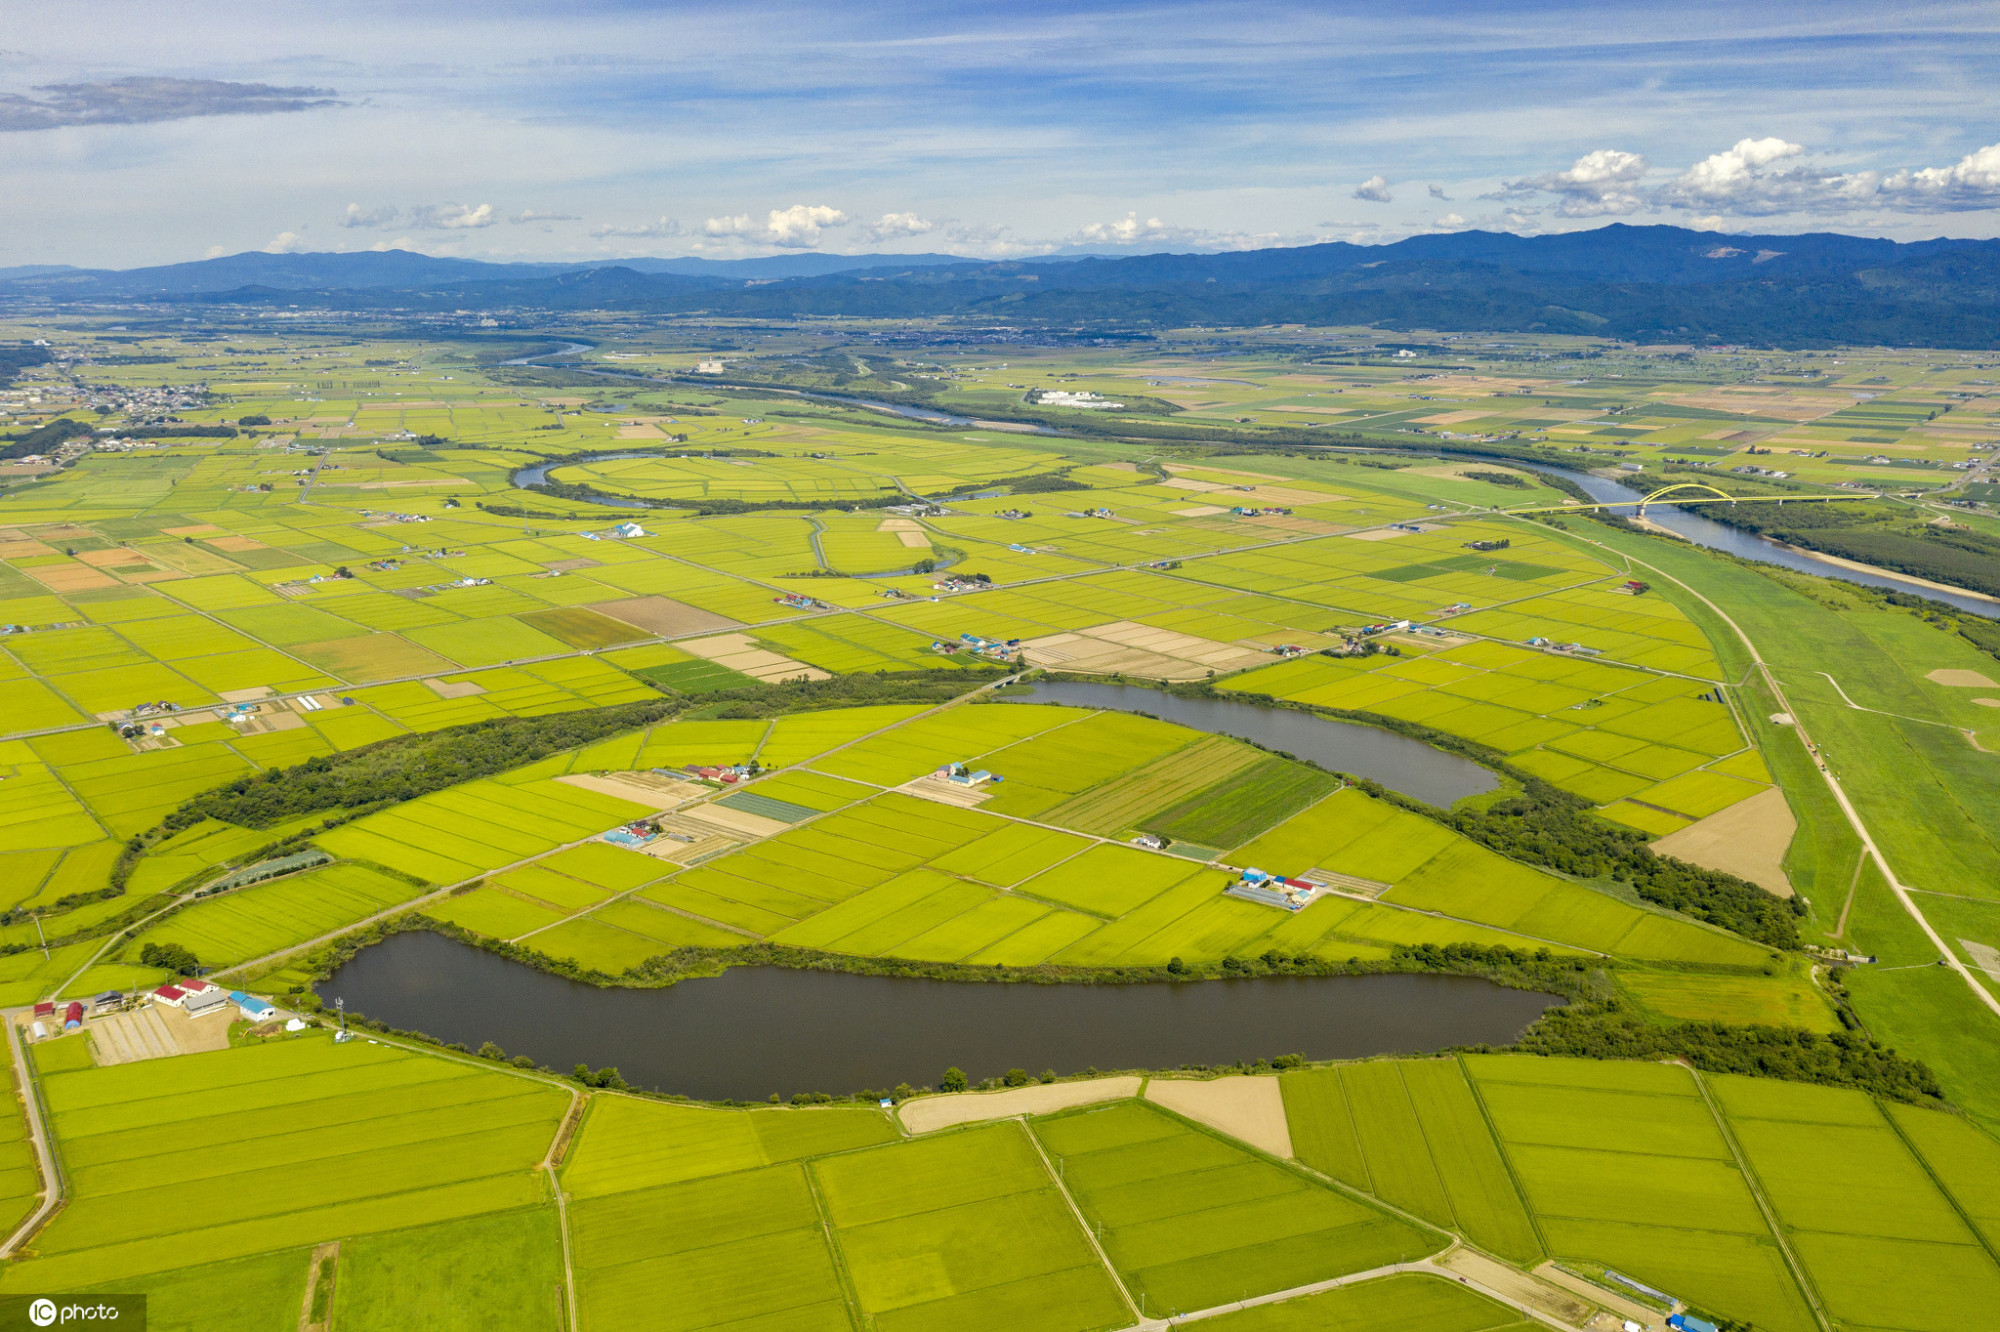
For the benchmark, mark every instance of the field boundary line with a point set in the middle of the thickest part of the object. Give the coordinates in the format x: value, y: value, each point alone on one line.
x: 1937, y: 1181
x: 849, y: 1293
x: 1764, y: 1206
x: 579, y: 1107
x: 53, y: 1190
x: 1083, y: 1223
x: 1500, y: 1145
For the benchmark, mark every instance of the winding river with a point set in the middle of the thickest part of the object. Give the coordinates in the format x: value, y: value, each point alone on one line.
x: 757, y: 1030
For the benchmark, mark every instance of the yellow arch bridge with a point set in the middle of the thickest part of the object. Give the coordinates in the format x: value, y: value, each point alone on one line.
x: 1713, y: 496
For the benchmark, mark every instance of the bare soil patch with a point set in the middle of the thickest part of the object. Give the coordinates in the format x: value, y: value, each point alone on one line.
x: 641, y: 788
x: 1496, y: 1276
x: 1129, y: 648
x: 1748, y: 840
x: 662, y: 615
x: 1248, y: 1108
x: 1961, y: 679
x: 927, y: 1114
x: 455, y: 688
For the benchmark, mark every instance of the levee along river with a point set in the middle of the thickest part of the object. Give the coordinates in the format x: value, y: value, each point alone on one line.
x: 754, y: 1031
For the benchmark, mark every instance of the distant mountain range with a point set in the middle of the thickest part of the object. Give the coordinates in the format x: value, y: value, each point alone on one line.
x: 1650, y: 283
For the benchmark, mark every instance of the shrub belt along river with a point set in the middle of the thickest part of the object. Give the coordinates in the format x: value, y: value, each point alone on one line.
x: 757, y: 1030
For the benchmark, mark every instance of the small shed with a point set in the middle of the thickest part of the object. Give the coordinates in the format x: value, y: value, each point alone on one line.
x: 45, y: 1009
x: 208, y: 1000
x: 41, y: 1032
x: 73, y: 1015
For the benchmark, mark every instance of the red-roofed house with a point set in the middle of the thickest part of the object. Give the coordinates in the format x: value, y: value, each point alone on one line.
x: 170, y: 994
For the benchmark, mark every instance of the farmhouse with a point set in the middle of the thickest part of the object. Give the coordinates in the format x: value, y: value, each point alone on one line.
x: 171, y: 995
x: 208, y: 999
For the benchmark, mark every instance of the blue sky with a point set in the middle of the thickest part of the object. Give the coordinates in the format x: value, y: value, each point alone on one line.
x: 136, y: 133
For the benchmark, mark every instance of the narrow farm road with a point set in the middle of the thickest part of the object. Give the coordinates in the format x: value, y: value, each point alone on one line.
x: 45, y: 1159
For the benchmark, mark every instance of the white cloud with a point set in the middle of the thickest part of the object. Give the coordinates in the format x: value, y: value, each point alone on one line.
x: 214, y: 252
x: 451, y: 217
x: 1759, y: 177
x: 1973, y: 183
x: 1437, y: 192
x: 527, y: 215
x: 1450, y: 222
x: 1603, y: 183
x: 898, y: 226
x: 666, y: 226
x: 1375, y: 189
x: 285, y: 242
x: 1129, y: 230
x: 799, y: 227
x: 400, y: 243
x: 357, y: 216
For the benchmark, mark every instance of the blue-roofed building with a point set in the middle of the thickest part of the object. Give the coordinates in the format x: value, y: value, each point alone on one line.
x: 256, y: 1010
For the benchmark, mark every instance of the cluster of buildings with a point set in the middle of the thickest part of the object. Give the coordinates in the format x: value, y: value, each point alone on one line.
x: 1574, y: 649
x: 998, y: 649
x: 955, y: 583
x: 1241, y: 512
x: 196, y: 998
x: 1080, y: 399
x: 800, y: 601
x: 964, y: 774
x: 395, y: 517
x: 624, y: 531
x: 1254, y: 885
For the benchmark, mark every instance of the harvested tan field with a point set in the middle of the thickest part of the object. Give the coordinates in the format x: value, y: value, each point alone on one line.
x: 21, y: 550
x: 736, y: 822
x: 927, y: 1114
x: 571, y: 566
x: 1987, y: 702
x: 455, y: 688
x: 236, y: 543
x: 1377, y: 534
x: 1961, y: 679
x: 197, y: 530
x: 155, y: 1031
x: 899, y: 525
x: 661, y: 615
x: 250, y: 695
x: 931, y: 787
x: 1248, y: 1108
x: 69, y: 577
x: 1137, y: 649
x: 740, y: 653
x: 641, y: 788
x: 1748, y: 840
x: 1200, y: 511
x: 641, y: 432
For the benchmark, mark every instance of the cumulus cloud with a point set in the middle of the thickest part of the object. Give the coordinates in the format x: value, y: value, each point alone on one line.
x: 1437, y: 192
x: 1130, y: 230
x: 898, y: 226
x: 1973, y: 183
x: 285, y: 242
x: 1450, y: 222
x: 1598, y: 184
x: 452, y: 216
x: 1375, y: 189
x: 138, y: 101
x: 800, y: 227
x: 666, y: 226
x: 527, y: 215
x: 357, y: 216
x: 1761, y: 177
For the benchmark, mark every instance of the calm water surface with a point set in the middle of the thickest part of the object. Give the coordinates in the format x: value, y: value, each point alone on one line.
x: 1396, y: 761
x: 757, y: 1030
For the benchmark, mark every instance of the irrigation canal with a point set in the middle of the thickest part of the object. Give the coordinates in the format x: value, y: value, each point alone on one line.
x: 757, y: 1030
